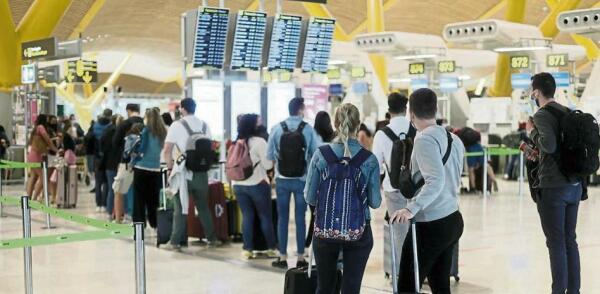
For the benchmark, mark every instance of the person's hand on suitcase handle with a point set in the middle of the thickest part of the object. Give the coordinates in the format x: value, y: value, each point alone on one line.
x: 401, y: 216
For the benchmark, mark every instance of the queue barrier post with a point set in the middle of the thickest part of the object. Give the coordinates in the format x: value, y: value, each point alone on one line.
x: 1, y: 193
x: 27, y: 258
x: 521, y: 174
x: 485, y: 172
x: 140, y: 264
x: 46, y: 197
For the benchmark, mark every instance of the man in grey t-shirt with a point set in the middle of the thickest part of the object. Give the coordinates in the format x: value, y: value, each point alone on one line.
x: 439, y: 224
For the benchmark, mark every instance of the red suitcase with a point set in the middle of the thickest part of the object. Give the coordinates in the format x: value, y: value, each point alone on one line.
x: 217, y: 204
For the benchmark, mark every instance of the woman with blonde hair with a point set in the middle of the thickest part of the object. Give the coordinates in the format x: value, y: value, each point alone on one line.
x: 343, y: 182
x: 146, y: 168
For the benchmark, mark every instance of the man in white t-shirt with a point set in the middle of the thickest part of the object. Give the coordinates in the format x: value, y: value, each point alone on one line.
x: 382, y: 148
x: 175, y: 145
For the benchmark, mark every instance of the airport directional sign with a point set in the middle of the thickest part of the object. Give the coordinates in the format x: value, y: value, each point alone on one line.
x: 446, y: 66
x: 519, y: 62
x: 557, y: 60
x: 416, y: 68
x: 82, y: 71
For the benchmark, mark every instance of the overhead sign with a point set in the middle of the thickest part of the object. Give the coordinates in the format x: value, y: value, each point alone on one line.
x: 39, y: 49
x: 562, y: 78
x: 285, y: 41
x: 211, y: 37
x: 448, y: 84
x: 416, y: 68
x: 28, y: 74
x: 82, y: 71
x: 446, y: 66
x: 416, y: 84
x: 557, y: 60
x: 317, y: 48
x: 519, y: 62
x: 358, y: 72
x: 334, y: 73
x: 521, y: 80
x: 248, y: 40
x: 311, y: 1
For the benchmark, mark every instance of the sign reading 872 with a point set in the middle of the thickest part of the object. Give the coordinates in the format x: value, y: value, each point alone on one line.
x: 519, y: 62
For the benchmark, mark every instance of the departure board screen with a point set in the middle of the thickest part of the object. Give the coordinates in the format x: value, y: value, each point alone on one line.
x: 285, y: 40
x: 211, y: 37
x: 248, y: 40
x: 319, y: 37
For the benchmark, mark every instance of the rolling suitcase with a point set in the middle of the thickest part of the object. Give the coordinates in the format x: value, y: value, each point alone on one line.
x: 67, y: 186
x: 415, y: 259
x: 217, y: 205
x: 304, y: 280
x: 454, y: 268
x: 164, y: 215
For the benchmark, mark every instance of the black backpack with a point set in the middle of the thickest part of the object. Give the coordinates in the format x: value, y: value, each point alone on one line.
x: 292, y: 149
x: 408, y: 188
x: 578, y: 142
x: 199, y: 153
x: 401, y: 152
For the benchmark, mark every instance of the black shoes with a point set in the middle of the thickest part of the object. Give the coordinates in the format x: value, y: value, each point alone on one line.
x: 280, y: 263
x: 301, y: 263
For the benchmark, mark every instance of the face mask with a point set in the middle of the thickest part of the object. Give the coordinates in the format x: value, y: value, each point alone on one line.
x: 537, y: 101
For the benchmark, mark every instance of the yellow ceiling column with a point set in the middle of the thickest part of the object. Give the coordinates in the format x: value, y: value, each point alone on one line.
x: 515, y: 12
x: 548, y: 25
x: 375, y: 24
x: 41, y: 19
x: 87, y: 19
x: 319, y: 10
x: 9, y: 66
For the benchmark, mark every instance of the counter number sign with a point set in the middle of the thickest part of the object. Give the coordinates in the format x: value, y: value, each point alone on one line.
x: 416, y: 68
x: 446, y: 66
x: 557, y: 60
x: 519, y: 62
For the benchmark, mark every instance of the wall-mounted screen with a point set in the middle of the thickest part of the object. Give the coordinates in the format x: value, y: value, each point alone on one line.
x: 248, y: 40
x: 285, y: 41
x: 317, y: 48
x: 211, y: 37
x: 245, y: 98
x: 209, y: 97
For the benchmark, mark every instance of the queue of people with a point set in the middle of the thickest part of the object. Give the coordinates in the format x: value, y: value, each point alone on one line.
x: 337, y: 169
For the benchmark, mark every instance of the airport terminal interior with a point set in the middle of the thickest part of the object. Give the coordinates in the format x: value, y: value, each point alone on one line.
x: 153, y: 146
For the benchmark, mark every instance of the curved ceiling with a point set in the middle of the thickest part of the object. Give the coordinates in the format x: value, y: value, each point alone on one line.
x: 149, y: 29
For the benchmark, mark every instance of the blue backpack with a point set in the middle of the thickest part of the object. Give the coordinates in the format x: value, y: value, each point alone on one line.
x: 341, y: 198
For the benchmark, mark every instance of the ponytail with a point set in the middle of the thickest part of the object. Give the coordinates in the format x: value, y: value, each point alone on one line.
x: 347, y: 122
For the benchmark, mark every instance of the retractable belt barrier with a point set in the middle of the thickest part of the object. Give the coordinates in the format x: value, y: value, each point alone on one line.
x: 107, y: 231
x: 7, y: 164
x: 499, y: 151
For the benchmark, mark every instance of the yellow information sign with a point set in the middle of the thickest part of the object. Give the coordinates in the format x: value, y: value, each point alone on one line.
x: 446, y: 66
x: 358, y: 72
x: 82, y: 71
x: 334, y: 73
x: 519, y: 62
x: 557, y: 60
x: 416, y: 68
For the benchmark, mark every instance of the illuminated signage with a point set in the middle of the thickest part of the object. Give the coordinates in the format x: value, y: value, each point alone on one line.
x: 285, y: 41
x: 317, y: 48
x: 557, y: 60
x: 358, y: 72
x: 446, y: 66
x: 519, y: 62
x: 416, y: 68
x: 39, y: 49
x: 334, y: 73
x: 82, y: 71
x: 28, y: 74
x: 211, y: 37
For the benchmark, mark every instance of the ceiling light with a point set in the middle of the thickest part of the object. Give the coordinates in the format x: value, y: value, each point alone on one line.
x: 337, y: 62
x: 520, y: 49
x: 417, y: 56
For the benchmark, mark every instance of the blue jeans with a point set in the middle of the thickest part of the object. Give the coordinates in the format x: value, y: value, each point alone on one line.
x: 284, y: 190
x: 110, y: 195
x: 252, y: 200
x: 558, y: 213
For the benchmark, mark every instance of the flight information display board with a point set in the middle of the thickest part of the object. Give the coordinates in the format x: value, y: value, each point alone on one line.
x: 211, y: 37
x: 285, y: 40
x: 319, y: 38
x: 248, y: 40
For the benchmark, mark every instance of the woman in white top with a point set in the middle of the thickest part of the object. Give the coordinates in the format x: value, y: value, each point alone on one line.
x: 254, y: 194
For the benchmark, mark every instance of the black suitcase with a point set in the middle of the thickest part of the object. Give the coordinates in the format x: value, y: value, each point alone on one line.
x: 298, y: 282
x: 164, y: 215
x: 260, y: 242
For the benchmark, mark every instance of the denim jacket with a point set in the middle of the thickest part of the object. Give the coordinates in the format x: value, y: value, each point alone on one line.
x: 310, y: 138
x: 370, y: 168
x: 149, y: 151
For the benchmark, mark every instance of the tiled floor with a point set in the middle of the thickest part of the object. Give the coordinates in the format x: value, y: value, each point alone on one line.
x: 502, y: 251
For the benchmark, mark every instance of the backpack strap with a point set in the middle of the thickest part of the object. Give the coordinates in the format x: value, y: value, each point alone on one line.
x: 390, y: 134
x: 284, y: 127
x: 448, y: 149
x: 301, y: 127
x: 360, y: 157
x: 412, y: 131
x: 328, y: 154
